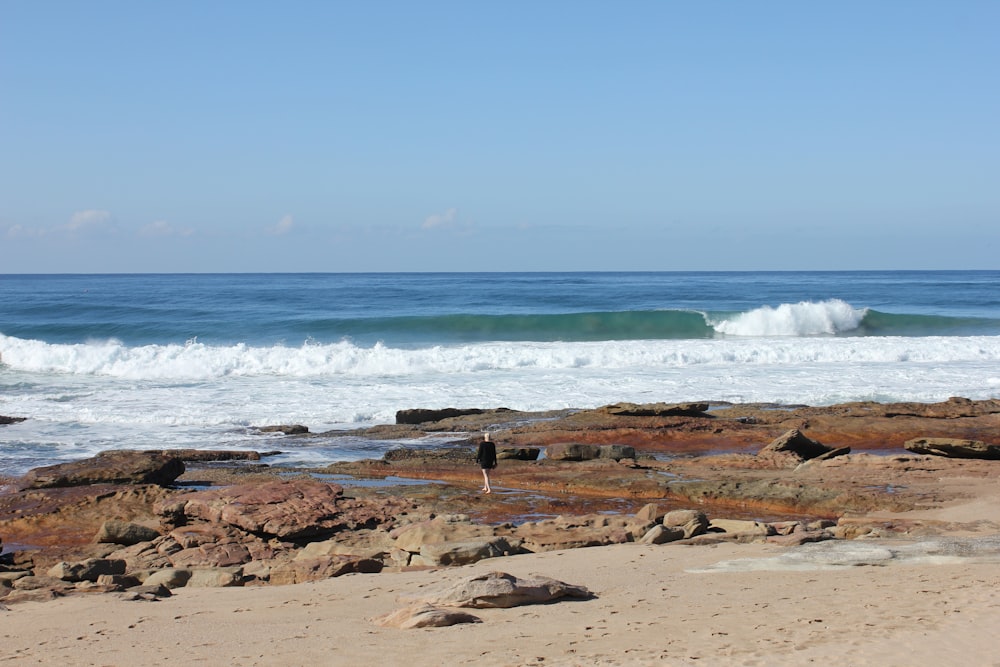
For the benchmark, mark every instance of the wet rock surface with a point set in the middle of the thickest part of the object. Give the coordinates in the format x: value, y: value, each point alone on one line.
x: 660, y: 474
x: 110, y: 467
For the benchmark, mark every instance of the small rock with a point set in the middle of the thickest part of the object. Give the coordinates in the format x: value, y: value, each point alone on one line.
x: 424, y: 616
x: 125, y: 533
x: 501, y: 590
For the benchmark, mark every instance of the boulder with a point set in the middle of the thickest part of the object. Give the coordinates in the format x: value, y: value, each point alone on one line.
x: 649, y: 512
x: 215, y: 577
x: 446, y: 528
x: 180, y: 577
x: 572, y: 451
x: 125, y: 533
x: 314, y: 569
x: 794, y: 442
x: 953, y: 448
x: 8, y: 577
x: 110, y: 467
x: 578, y: 451
x: 146, y: 555
x: 832, y: 454
x: 37, y: 594
x: 285, y: 429
x: 211, y: 555
x: 518, y: 453
x: 692, y: 522
x: 168, y: 577
x: 463, y: 553
x: 616, y: 452
x: 741, y: 527
x: 213, y: 545
x: 500, y: 590
x: 119, y: 581
x: 371, y: 544
x: 592, y: 530
x: 660, y: 534
x: 424, y: 616
x: 42, y: 582
x: 86, y: 570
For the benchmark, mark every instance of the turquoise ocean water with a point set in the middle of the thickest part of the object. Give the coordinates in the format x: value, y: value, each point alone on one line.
x: 196, y: 360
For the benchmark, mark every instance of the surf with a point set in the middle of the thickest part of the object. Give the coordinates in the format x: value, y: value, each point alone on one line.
x: 199, y: 361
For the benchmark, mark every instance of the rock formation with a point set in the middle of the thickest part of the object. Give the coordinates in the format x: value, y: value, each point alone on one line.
x: 119, y: 466
x: 954, y: 448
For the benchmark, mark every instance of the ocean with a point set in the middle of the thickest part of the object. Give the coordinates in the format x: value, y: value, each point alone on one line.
x: 167, y: 361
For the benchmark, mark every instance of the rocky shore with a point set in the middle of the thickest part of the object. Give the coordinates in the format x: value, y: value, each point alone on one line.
x: 145, y: 523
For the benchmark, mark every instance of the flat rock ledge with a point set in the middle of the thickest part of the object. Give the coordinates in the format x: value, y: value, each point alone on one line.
x: 302, y: 529
x: 120, y: 522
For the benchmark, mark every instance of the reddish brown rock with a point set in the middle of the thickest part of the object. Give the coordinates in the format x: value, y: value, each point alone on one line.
x: 212, y: 555
x: 286, y: 509
x: 794, y: 442
x: 60, y: 523
x: 954, y: 448
x: 110, y: 467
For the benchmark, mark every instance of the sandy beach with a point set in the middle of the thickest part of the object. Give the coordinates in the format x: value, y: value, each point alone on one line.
x: 725, y: 604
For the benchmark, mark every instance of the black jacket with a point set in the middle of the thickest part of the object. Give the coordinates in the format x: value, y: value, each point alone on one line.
x: 486, y: 455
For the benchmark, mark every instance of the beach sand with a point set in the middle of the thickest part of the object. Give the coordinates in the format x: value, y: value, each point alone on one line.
x: 654, y: 605
x: 648, y: 611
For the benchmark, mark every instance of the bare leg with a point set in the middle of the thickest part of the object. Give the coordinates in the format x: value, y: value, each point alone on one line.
x: 486, y: 480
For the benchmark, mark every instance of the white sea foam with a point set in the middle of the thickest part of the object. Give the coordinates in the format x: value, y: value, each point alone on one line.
x: 807, y: 318
x: 196, y: 361
x: 83, y: 398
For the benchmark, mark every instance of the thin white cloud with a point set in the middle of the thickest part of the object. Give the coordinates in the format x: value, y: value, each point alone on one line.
x: 440, y: 220
x: 89, y: 220
x: 22, y: 232
x: 163, y: 228
x: 284, y: 225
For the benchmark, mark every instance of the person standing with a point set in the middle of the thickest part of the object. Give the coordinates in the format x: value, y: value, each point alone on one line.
x: 486, y: 457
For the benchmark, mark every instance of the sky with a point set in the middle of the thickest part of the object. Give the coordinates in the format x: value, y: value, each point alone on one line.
x: 566, y: 135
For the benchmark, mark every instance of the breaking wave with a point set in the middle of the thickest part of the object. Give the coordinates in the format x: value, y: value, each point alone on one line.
x: 194, y: 361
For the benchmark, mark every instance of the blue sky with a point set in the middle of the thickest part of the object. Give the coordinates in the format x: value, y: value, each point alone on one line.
x: 439, y: 136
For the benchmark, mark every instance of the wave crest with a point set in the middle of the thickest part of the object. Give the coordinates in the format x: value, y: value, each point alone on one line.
x: 806, y: 318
